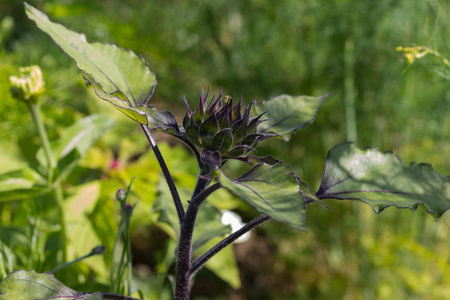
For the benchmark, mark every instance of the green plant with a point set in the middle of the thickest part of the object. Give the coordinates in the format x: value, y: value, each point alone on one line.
x: 218, y: 131
x: 54, y: 162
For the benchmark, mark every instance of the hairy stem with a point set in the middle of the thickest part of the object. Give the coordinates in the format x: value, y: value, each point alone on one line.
x: 198, y: 263
x: 165, y: 170
x: 183, y: 280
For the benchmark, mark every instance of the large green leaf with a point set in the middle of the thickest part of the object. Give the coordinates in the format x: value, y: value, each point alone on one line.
x: 114, y: 68
x: 21, y: 184
x: 29, y: 285
x: 286, y: 114
x: 117, y: 75
x: 273, y: 190
x: 382, y: 180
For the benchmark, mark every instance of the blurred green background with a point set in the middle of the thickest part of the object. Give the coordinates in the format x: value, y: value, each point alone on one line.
x: 259, y: 49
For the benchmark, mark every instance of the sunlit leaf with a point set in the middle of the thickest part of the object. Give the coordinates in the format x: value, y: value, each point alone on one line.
x: 286, y: 114
x: 114, y: 68
x: 383, y: 179
x: 29, y: 285
x: 273, y: 190
x: 144, y: 114
x: 117, y: 75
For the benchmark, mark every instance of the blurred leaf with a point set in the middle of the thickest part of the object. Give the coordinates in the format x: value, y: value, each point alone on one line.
x: 382, y: 180
x: 76, y: 141
x: 287, y: 114
x: 83, y: 135
x: 81, y: 233
x: 207, y: 226
x: 21, y: 184
x: 29, y: 285
x: 223, y: 264
x: 273, y: 190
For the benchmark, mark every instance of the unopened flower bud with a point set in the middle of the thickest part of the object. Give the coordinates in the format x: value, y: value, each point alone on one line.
x: 127, y: 210
x: 121, y: 194
x: 29, y: 85
x: 98, y: 250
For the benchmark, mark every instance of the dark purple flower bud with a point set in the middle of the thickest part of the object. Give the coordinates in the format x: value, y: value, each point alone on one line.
x: 220, y: 127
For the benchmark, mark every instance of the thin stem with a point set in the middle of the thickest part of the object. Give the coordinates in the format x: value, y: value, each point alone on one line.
x: 198, y: 263
x: 92, y: 253
x: 36, y: 114
x: 192, y: 147
x: 35, y: 110
x: 114, y: 273
x: 58, y: 193
x: 129, y: 265
x: 165, y: 170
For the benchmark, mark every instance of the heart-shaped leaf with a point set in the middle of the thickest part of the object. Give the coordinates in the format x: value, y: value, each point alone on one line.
x: 273, y: 190
x: 286, y: 114
x: 29, y: 285
x: 382, y: 180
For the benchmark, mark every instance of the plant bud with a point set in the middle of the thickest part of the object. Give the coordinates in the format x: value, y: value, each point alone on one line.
x: 29, y: 85
x: 127, y: 210
x: 121, y: 195
x: 221, y: 130
x: 98, y: 250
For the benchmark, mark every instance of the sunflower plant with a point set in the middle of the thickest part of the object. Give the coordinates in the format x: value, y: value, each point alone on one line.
x: 221, y: 129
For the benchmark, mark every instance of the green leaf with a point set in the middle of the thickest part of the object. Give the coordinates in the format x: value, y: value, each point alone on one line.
x: 29, y: 285
x: 286, y: 114
x: 144, y: 114
x: 83, y: 135
x: 273, y: 190
x: 75, y: 142
x: 382, y: 180
x: 114, y: 68
x: 21, y: 184
x: 117, y: 75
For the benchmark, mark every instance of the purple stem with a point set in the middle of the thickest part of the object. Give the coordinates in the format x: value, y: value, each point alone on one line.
x: 225, y: 242
x: 165, y: 170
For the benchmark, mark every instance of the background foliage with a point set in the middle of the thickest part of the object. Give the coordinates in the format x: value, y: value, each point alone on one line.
x: 257, y: 49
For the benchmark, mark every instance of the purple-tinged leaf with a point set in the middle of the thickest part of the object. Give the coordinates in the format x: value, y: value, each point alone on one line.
x: 383, y: 179
x: 222, y: 141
